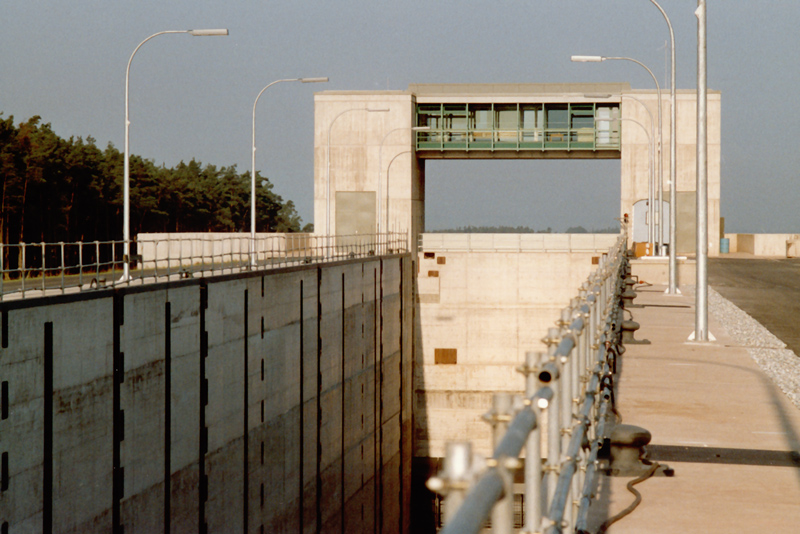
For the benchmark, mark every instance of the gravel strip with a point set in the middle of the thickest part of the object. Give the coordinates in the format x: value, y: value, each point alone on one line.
x: 770, y: 353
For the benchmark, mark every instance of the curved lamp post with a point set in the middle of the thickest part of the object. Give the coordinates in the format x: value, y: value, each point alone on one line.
x: 328, y: 169
x: 597, y: 59
x: 388, y: 167
x: 673, y: 266
x: 652, y: 159
x: 253, y: 164
x: 651, y: 146
x: 380, y: 168
x: 126, y: 215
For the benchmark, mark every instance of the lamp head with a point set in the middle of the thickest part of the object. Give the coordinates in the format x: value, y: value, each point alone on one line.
x: 208, y: 33
x: 587, y: 59
x: 314, y: 80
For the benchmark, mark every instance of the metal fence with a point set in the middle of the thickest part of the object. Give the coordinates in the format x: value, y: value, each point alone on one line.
x: 568, y: 392
x: 36, y: 269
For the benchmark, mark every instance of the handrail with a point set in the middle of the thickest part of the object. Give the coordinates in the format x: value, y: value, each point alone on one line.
x: 567, y: 387
x: 37, y: 269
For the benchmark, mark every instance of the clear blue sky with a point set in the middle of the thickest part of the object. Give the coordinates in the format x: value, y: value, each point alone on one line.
x: 192, y: 97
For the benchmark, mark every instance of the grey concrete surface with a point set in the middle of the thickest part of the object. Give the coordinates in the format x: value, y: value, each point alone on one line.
x: 280, y: 394
x: 693, y: 398
x: 767, y: 289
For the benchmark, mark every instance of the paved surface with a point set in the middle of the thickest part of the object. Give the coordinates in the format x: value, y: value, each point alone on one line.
x: 724, y: 427
x: 767, y: 289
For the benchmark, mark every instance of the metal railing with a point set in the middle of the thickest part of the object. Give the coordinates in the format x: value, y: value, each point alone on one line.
x: 568, y: 394
x: 37, y: 269
x: 583, y: 138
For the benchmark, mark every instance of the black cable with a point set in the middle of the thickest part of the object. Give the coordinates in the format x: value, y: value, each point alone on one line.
x: 610, y: 521
x: 607, y: 383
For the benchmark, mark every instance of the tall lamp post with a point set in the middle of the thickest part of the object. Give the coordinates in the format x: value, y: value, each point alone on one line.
x: 328, y: 169
x: 388, y: 168
x: 701, y: 297
x: 380, y: 169
x: 652, y: 157
x: 253, y: 164
x: 673, y: 259
x: 126, y: 215
x: 597, y: 59
x: 651, y: 168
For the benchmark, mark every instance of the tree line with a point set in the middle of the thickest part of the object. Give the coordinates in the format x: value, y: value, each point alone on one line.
x: 69, y: 190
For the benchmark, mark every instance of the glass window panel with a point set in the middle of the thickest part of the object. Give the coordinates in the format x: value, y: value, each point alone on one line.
x: 455, y: 116
x: 557, y: 116
x: 480, y: 116
x: 582, y: 122
x: 506, y: 117
x: 532, y: 116
x: 429, y: 115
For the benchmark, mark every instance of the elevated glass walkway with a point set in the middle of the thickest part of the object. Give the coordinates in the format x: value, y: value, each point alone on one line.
x: 496, y: 127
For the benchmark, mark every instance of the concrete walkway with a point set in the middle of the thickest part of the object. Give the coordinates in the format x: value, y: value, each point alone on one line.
x: 716, y: 419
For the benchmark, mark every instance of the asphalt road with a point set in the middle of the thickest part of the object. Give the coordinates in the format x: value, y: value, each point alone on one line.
x: 767, y: 289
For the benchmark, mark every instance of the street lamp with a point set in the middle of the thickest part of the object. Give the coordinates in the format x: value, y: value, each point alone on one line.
x: 673, y: 259
x: 380, y: 168
x: 651, y: 169
x: 388, y: 167
x: 652, y: 164
x: 126, y: 215
x: 253, y: 166
x: 701, y: 295
x: 328, y: 170
x: 597, y: 59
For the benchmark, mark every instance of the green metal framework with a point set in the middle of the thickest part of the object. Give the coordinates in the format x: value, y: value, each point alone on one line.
x: 521, y: 126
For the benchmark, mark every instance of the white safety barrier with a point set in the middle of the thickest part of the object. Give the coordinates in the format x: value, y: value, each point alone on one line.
x: 36, y: 269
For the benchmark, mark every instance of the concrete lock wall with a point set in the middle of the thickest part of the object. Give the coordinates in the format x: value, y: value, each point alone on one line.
x: 770, y: 245
x: 479, y: 312
x: 275, y: 401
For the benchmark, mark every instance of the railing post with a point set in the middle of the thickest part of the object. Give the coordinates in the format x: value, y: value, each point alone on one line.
x: 80, y: 264
x: 97, y: 260
x: 22, y: 269
x: 156, y: 259
x: 61, y: 243
x: 533, y: 449
x: 457, y: 474
x: 503, y: 511
x: 585, y: 341
x: 44, y: 268
x: 553, y: 419
x: 565, y: 384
